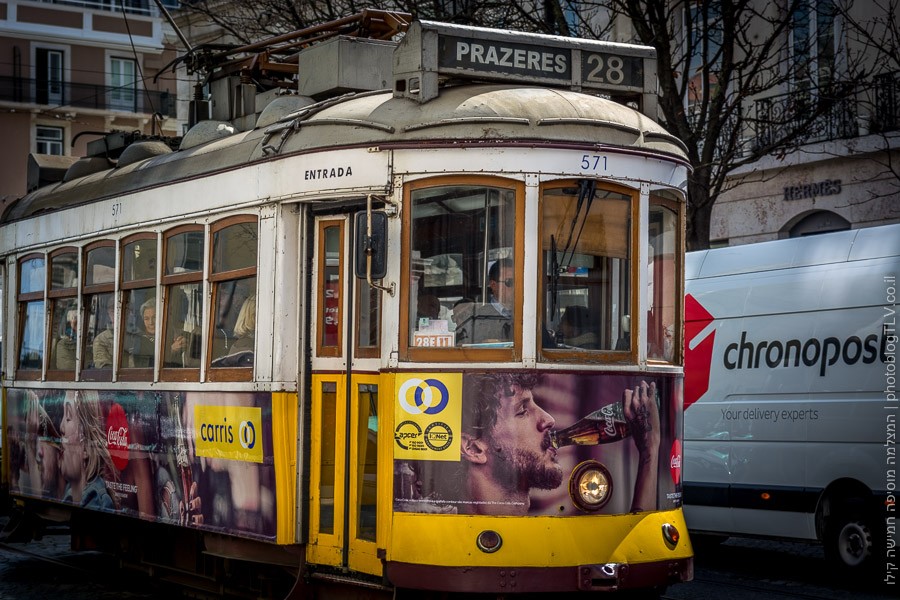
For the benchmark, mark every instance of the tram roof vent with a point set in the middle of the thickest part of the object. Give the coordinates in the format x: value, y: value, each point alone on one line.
x: 433, y: 52
x: 345, y: 64
x: 206, y: 131
x: 44, y: 169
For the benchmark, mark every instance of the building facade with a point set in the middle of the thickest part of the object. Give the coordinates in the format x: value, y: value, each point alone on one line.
x: 71, y: 70
x: 843, y: 170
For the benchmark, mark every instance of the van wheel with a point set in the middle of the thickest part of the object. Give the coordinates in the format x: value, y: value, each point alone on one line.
x: 849, y: 543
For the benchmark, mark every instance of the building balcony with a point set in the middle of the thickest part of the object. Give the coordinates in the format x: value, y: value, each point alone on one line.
x: 70, y: 97
x: 137, y: 7
x: 872, y: 108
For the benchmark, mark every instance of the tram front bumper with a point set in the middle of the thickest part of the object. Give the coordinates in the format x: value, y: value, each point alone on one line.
x: 509, y: 580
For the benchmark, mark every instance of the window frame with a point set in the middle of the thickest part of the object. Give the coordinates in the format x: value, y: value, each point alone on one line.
x: 337, y: 350
x: 124, y: 373
x: 62, y: 293
x: 658, y: 198
x: 216, y: 278
x: 22, y: 300
x: 581, y: 355
x: 167, y: 282
x: 89, y: 291
x: 411, y: 353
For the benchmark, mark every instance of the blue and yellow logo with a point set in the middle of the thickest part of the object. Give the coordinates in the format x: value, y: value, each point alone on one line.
x: 229, y: 432
x: 428, y: 413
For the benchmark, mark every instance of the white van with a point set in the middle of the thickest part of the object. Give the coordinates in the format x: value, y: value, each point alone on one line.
x: 790, y: 393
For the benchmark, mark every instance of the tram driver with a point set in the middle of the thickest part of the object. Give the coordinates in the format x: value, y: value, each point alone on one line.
x: 490, y: 320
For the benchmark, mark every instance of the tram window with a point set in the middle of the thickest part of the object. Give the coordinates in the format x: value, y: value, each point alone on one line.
x: 367, y: 462
x: 329, y: 304
x: 233, y: 277
x: 32, y: 281
x: 139, y: 259
x: 586, y: 241
x: 328, y: 458
x: 662, y: 281
x: 368, y: 325
x: 235, y: 323
x: 183, y: 301
x: 137, y: 354
x: 139, y: 318
x: 63, y: 270
x: 184, y: 310
x: 64, y: 332
x: 99, y: 332
x: 462, y: 267
x: 99, y: 301
x: 64, y: 322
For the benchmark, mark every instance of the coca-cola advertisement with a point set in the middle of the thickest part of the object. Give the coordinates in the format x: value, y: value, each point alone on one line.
x: 195, y: 459
x: 529, y: 443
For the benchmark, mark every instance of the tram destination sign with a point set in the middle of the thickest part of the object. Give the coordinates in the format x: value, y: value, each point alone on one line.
x: 432, y: 50
x: 504, y: 57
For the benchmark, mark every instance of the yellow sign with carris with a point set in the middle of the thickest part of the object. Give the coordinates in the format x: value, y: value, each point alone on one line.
x: 229, y: 432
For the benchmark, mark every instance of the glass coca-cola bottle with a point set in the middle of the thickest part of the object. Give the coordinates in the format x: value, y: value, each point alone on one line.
x: 600, y: 427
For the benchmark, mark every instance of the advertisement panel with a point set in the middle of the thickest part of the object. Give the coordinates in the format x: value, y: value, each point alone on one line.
x: 198, y: 459
x: 515, y: 443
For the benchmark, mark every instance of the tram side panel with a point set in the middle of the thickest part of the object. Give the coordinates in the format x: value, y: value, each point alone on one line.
x: 207, y: 460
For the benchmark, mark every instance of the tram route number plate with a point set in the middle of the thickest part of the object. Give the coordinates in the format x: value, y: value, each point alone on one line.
x: 433, y: 340
x: 600, y: 68
x: 510, y: 59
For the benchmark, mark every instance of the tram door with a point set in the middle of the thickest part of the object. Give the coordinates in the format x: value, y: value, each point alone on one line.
x: 345, y: 518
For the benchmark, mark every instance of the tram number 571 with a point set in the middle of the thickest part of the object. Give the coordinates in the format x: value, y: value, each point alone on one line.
x: 593, y: 162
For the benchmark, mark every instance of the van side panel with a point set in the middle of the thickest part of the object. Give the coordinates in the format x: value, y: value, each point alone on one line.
x: 795, y: 394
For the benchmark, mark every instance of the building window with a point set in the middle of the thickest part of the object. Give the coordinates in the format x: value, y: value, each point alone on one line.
x: 49, y: 76
x: 813, y: 44
x: 704, y: 39
x: 49, y: 140
x: 123, y: 84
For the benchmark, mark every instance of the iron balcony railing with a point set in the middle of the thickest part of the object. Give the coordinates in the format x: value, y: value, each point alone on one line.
x: 872, y: 107
x: 886, y: 116
x: 778, y: 116
x: 64, y: 95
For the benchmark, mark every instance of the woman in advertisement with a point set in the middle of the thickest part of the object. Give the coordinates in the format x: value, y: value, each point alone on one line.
x: 85, y: 462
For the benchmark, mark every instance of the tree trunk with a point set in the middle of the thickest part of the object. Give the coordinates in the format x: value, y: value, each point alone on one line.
x: 699, y: 211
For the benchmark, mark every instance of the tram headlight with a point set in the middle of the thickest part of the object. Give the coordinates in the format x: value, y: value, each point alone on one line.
x: 590, y: 485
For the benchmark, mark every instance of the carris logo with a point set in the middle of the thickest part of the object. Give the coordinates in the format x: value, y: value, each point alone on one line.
x: 698, y: 351
x: 424, y: 400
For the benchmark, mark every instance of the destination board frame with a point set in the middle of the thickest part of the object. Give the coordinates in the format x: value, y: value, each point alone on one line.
x: 433, y: 51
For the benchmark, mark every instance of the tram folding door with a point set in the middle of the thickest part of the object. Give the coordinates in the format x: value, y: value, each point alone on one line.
x: 346, y: 521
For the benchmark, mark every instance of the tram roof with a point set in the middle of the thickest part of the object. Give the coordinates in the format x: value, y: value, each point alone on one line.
x: 480, y: 114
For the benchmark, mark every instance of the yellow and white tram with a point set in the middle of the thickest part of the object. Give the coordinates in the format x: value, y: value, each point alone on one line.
x: 418, y: 338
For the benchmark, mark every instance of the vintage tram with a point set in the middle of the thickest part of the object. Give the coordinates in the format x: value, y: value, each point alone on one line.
x: 413, y: 325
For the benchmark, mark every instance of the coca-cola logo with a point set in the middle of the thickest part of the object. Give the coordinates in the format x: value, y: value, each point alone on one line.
x: 698, y: 350
x: 117, y: 436
x: 675, y: 462
x: 609, y: 418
